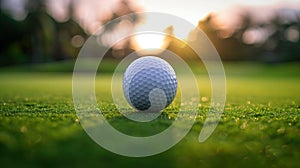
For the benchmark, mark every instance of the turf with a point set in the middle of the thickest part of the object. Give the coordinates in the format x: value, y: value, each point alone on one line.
x: 260, y: 126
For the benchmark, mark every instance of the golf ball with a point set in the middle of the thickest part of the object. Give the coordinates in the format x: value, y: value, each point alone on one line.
x: 149, y: 84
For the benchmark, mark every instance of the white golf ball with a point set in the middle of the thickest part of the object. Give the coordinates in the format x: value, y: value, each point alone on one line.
x: 149, y: 84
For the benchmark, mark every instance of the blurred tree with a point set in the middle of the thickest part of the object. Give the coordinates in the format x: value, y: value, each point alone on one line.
x: 69, y: 37
x: 124, y: 25
x: 283, y: 43
x: 51, y: 40
x: 41, y: 38
x: 227, y: 42
x: 41, y: 28
x: 268, y: 42
x: 11, y: 35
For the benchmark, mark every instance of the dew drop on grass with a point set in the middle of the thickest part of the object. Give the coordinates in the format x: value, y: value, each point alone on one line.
x: 281, y: 130
x: 23, y: 129
x: 204, y: 99
x: 244, y: 125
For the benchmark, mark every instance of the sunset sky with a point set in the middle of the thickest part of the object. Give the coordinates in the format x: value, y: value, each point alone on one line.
x: 89, y: 12
x: 193, y: 10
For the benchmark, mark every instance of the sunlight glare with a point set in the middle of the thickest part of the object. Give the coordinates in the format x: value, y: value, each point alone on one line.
x: 149, y: 41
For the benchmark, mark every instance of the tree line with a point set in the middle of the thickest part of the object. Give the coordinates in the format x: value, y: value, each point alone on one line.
x: 40, y: 38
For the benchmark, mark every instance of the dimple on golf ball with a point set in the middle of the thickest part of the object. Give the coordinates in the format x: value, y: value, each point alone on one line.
x: 149, y: 83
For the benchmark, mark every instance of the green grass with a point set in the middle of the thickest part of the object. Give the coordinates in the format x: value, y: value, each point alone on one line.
x: 260, y: 126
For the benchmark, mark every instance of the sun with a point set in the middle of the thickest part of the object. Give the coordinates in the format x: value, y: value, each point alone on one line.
x: 149, y: 43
